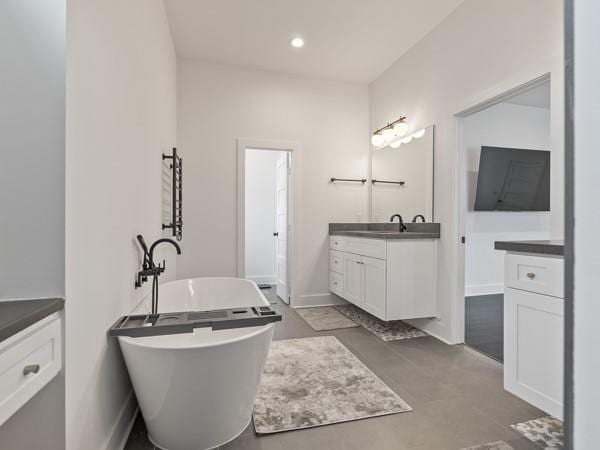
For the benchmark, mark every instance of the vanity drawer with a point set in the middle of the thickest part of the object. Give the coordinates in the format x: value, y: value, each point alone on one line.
x: 336, y: 261
x: 374, y: 248
x: 28, y: 361
x: 336, y: 243
x: 543, y: 275
x: 336, y: 283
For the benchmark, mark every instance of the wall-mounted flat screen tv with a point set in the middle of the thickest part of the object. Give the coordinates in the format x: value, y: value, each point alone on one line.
x: 513, y: 179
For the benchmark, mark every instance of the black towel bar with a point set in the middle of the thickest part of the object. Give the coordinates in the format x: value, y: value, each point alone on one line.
x: 352, y: 180
x: 401, y: 183
x: 176, y: 167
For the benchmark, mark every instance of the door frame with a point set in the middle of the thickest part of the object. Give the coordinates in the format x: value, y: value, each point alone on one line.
x: 293, y: 148
x: 479, y: 103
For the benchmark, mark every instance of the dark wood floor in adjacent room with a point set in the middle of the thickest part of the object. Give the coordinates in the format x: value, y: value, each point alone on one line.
x: 484, y: 324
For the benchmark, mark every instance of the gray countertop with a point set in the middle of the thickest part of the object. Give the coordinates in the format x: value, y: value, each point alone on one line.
x: 387, y: 234
x: 541, y: 247
x: 386, y: 230
x: 16, y: 315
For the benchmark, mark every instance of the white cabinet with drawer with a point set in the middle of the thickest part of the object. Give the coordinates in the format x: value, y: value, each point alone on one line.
x: 28, y: 361
x: 391, y: 279
x: 541, y: 274
x: 533, y: 330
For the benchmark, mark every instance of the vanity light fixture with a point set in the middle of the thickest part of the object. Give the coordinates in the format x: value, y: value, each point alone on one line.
x: 387, y: 134
x: 377, y: 140
x: 419, y: 134
x: 398, y: 141
x: 297, y: 42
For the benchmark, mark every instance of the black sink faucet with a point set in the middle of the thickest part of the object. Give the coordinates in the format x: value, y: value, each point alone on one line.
x: 401, y: 226
x: 417, y: 216
x: 149, y: 268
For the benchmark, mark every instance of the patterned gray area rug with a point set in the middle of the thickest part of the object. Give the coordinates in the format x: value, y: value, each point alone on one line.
x: 325, y: 318
x: 498, y: 445
x: 546, y: 432
x: 394, y: 330
x: 317, y: 381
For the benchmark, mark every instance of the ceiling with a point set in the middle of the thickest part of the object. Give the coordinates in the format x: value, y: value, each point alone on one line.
x: 351, y: 40
x: 538, y: 97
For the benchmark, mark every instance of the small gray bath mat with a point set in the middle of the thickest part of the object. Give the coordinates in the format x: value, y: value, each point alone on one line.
x: 325, y: 318
x: 546, y: 432
x: 317, y: 381
x: 498, y: 445
x: 394, y: 330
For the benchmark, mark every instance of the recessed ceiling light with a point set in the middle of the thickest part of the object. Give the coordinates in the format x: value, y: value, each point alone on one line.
x: 297, y: 42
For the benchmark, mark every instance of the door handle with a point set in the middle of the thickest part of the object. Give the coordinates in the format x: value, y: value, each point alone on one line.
x: 276, y: 234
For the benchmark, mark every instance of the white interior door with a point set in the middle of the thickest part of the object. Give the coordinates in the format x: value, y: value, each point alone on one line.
x: 282, y: 227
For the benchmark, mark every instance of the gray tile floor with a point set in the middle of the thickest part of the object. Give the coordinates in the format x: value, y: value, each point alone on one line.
x: 456, y: 394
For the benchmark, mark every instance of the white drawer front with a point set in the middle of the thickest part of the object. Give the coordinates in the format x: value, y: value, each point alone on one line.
x: 336, y: 261
x: 336, y: 243
x: 28, y: 361
x: 336, y: 283
x: 543, y: 275
x: 374, y: 248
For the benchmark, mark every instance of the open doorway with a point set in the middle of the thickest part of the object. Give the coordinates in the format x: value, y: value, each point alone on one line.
x: 266, y: 204
x: 502, y: 205
x: 265, y: 218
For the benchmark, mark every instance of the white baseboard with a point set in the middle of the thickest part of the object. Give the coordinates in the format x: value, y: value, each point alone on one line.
x: 312, y: 300
x: 123, y: 424
x: 483, y: 289
x: 262, y: 279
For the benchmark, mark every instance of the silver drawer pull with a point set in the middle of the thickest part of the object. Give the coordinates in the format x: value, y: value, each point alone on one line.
x: 31, y: 368
x: 531, y: 275
x: 335, y: 283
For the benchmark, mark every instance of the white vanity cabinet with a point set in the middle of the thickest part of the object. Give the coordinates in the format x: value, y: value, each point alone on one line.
x: 29, y: 360
x: 391, y: 279
x: 533, y: 329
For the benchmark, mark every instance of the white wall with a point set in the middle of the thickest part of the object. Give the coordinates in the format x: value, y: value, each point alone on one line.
x: 121, y: 112
x: 32, y: 127
x: 32, y: 151
x: 467, y: 59
x: 219, y: 104
x: 586, y: 358
x: 502, y: 125
x: 261, y: 215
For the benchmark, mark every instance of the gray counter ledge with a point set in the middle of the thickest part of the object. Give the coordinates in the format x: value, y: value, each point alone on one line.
x: 16, y: 315
x: 539, y: 247
x: 386, y: 230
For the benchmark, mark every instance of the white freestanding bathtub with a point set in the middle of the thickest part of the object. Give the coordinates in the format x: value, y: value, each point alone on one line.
x: 196, y: 390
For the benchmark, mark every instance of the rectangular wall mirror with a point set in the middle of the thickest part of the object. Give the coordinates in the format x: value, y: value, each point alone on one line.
x: 402, y: 179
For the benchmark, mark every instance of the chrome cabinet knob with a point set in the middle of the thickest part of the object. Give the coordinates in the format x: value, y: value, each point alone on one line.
x: 531, y: 275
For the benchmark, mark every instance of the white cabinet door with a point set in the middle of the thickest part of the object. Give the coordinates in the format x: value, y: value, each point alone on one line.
x: 533, y: 349
x: 411, y: 279
x: 353, y: 279
x: 374, y: 286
